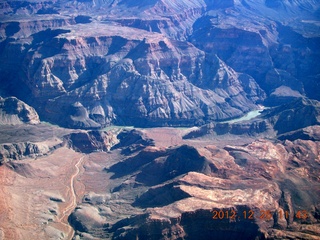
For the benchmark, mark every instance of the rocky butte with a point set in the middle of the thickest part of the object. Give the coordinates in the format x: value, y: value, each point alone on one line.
x: 222, y: 100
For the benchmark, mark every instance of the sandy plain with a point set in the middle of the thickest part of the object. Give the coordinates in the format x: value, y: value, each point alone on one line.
x: 39, y: 194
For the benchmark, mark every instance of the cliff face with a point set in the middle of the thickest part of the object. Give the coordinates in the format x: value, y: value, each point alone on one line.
x: 92, y: 141
x: 273, y: 53
x: 18, y: 151
x: 295, y: 115
x: 137, y: 81
x: 155, y: 63
x: 13, y: 111
x: 287, y: 121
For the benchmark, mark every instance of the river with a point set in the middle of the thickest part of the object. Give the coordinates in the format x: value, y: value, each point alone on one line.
x: 248, y: 116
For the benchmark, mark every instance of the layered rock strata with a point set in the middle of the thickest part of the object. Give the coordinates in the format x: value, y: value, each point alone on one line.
x: 158, y: 63
x: 18, y: 151
x: 180, y: 192
x: 13, y: 112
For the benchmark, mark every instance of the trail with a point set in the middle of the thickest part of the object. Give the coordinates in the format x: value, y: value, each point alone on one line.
x: 6, y: 180
x: 3, y: 202
x: 73, y: 202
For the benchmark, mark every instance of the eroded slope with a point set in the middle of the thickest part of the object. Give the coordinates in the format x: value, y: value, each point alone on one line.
x: 157, y: 63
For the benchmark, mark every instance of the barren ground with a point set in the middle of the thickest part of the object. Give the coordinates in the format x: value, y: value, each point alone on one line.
x: 166, y: 137
x: 37, y: 198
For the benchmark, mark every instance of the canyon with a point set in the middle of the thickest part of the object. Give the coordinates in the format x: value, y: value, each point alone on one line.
x: 159, y: 119
x: 91, y: 64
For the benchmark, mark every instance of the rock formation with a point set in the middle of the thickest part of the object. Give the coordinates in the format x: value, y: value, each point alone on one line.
x: 287, y: 120
x: 13, y: 112
x: 247, y: 128
x: 18, y: 151
x: 309, y: 133
x: 86, y: 64
x: 159, y: 63
x: 292, y: 116
x: 132, y: 140
x: 87, y: 142
x: 181, y: 191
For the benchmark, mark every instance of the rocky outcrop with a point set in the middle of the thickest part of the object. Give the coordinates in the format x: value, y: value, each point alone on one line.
x: 309, y: 133
x: 13, y: 112
x: 292, y: 116
x: 168, y: 166
x: 91, y: 141
x: 246, y: 128
x: 18, y: 151
x: 132, y: 140
x: 188, y: 225
x: 79, y: 117
x: 282, y: 95
x: 86, y: 219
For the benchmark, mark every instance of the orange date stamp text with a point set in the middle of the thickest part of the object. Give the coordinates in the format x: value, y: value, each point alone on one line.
x: 249, y: 214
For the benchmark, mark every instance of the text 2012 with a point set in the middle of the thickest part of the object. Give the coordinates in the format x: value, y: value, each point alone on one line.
x: 251, y: 214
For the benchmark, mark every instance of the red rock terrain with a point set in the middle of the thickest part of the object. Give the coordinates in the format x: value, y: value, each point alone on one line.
x: 265, y: 189
x: 207, y: 65
x: 258, y: 177
x: 35, y: 197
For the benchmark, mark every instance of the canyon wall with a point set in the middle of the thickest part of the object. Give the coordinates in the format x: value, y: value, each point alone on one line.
x: 157, y: 63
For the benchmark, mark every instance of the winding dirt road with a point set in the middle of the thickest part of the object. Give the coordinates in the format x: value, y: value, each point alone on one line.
x: 73, y: 200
